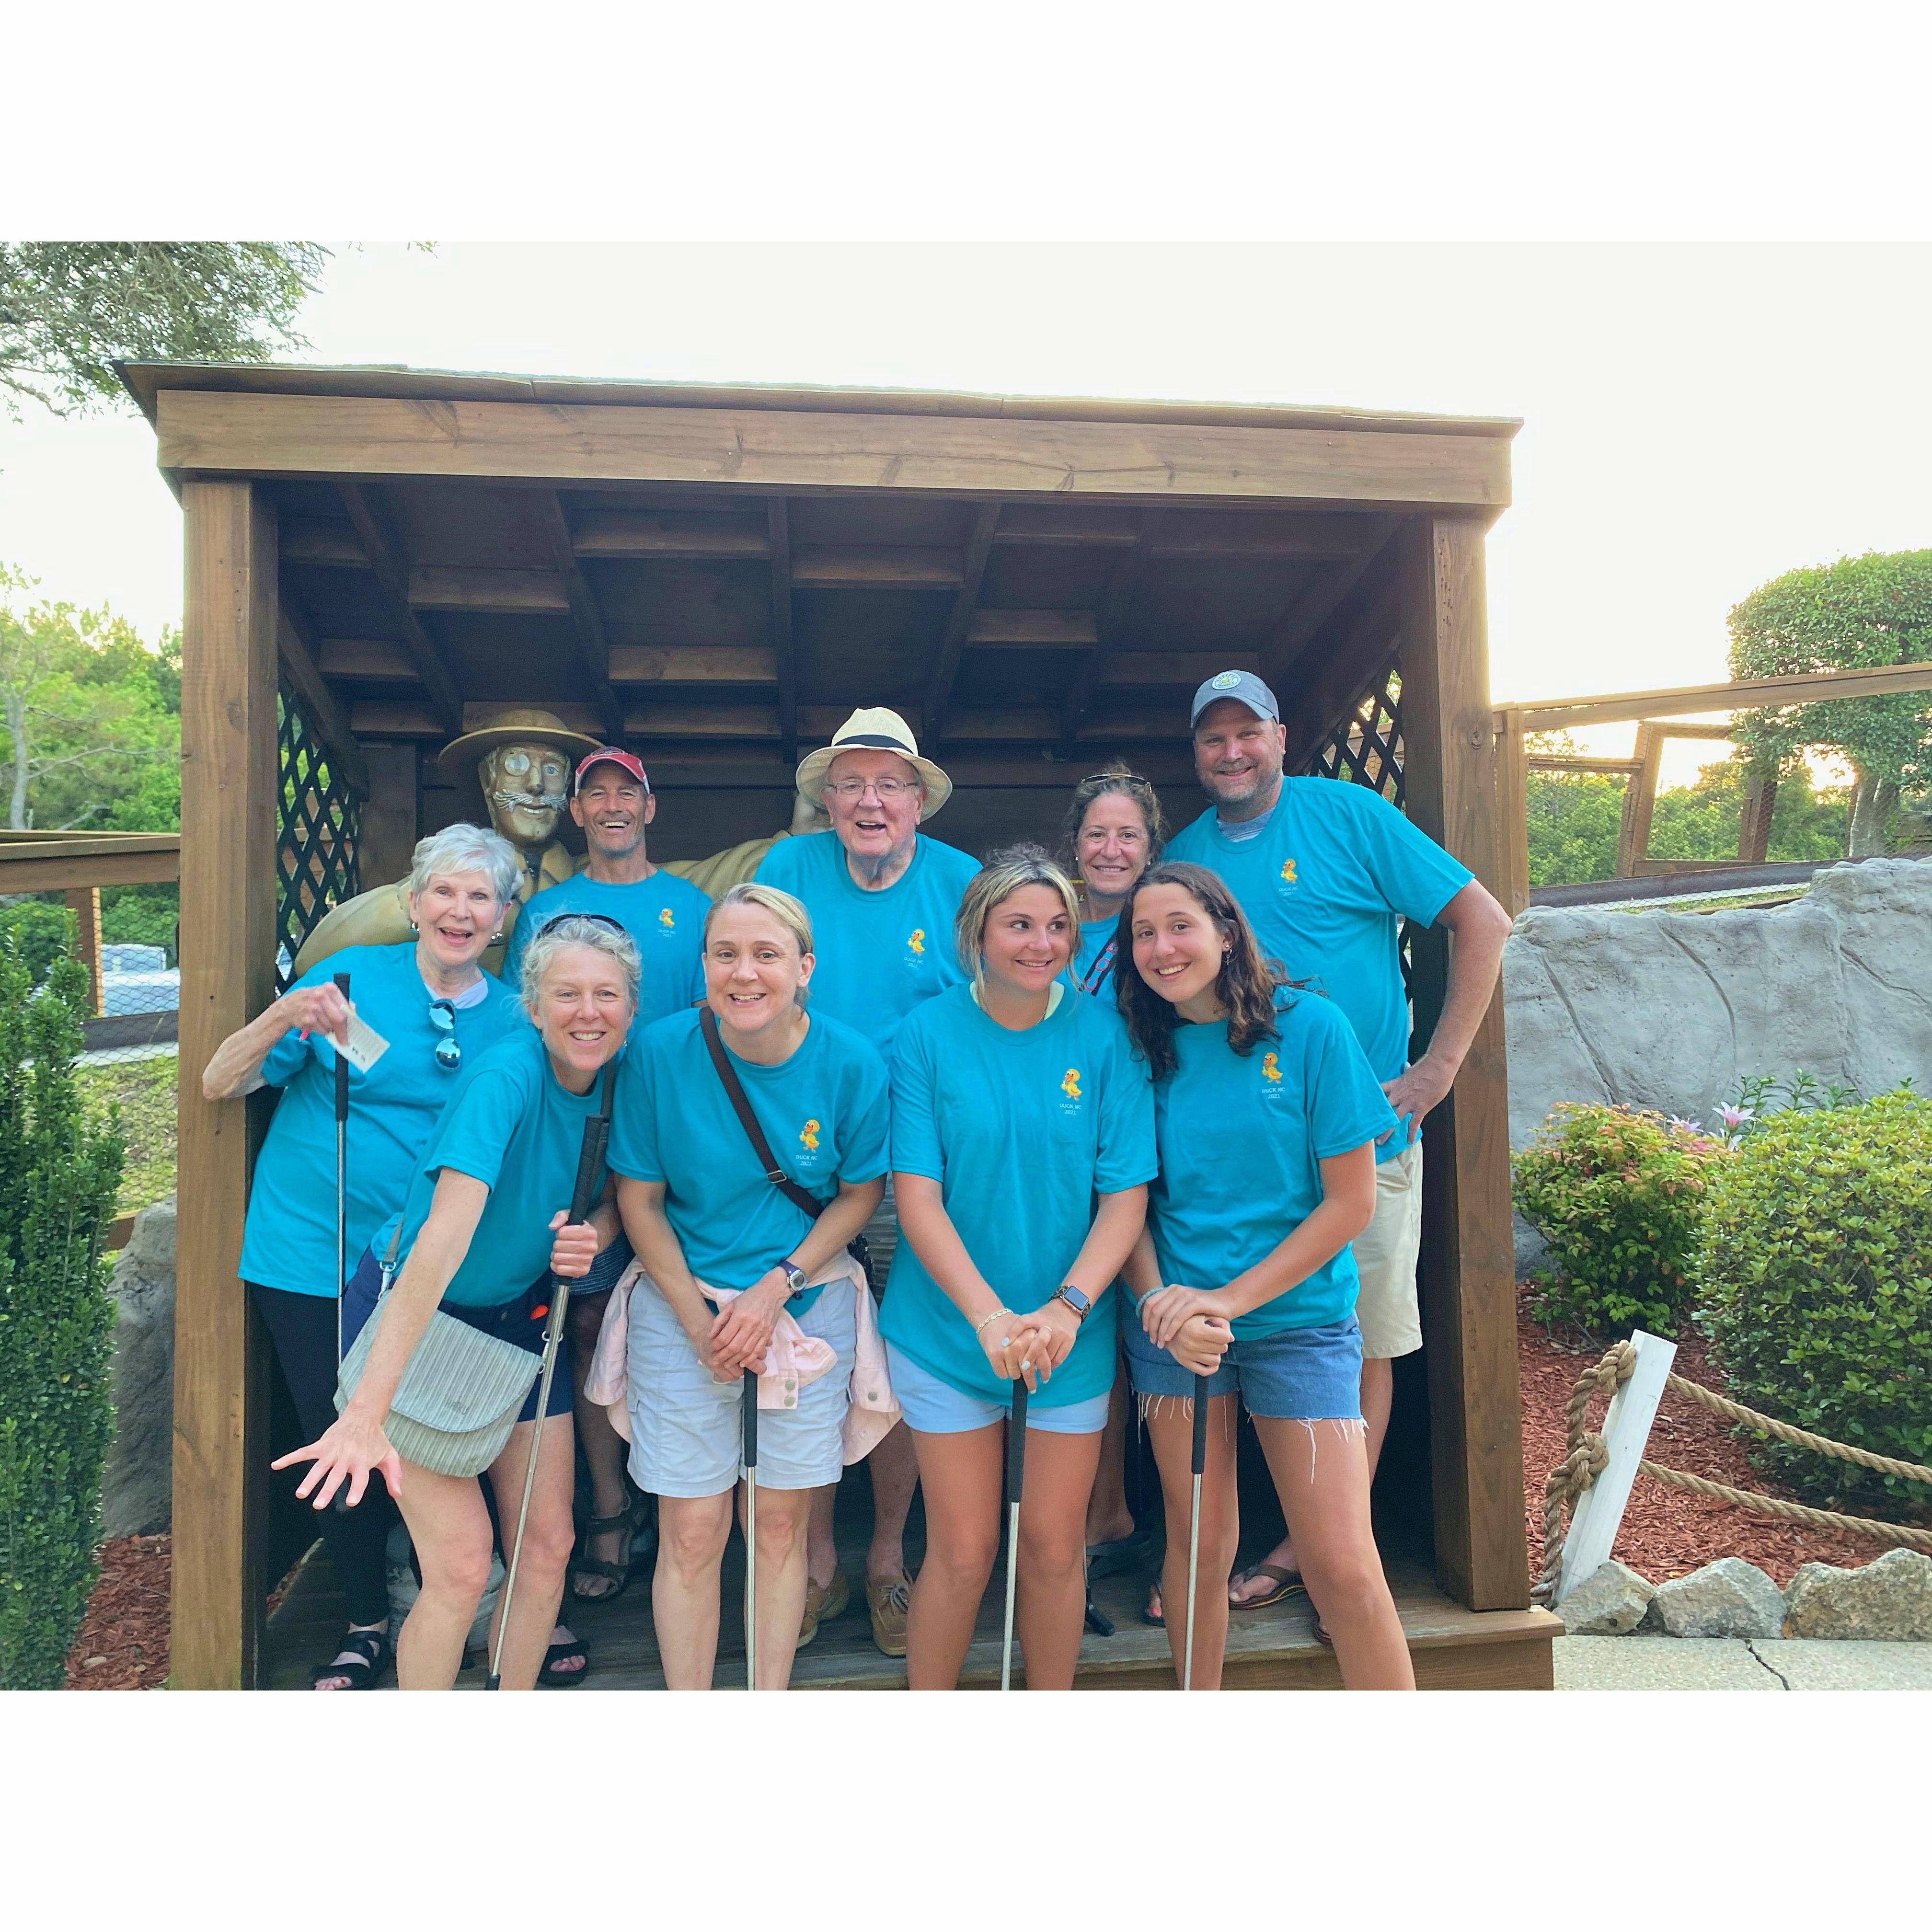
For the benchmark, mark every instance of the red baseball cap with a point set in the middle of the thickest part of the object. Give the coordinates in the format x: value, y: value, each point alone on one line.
x: 610, y: 755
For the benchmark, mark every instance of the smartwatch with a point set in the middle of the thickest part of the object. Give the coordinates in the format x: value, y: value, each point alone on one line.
x: 796, y: 1280
x: 1081, y: 1305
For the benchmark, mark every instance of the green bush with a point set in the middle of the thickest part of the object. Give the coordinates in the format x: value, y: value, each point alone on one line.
x: 1814, y: 1280
x: 44, y: 930
x: 1617, y: 1194
x: 59, y: 1170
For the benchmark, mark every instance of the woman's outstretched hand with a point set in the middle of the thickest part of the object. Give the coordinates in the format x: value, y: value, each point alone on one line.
x: 348, y: 1451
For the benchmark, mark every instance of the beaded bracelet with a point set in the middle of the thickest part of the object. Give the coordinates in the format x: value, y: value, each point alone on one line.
x: 980, y: 1324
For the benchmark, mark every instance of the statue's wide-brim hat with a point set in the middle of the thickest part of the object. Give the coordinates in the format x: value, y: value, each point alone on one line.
x: 875, y: 729
x: 514, y: 724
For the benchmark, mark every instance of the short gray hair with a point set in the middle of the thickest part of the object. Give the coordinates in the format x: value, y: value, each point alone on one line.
x: 467, y: 848
x: 569, y: 929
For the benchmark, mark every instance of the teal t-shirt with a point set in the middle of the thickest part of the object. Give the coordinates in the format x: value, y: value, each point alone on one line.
x: 1091, y: 968
x: 1323, y: 883
x: 513, y: 1126
x: 879, y: 954
x: 825, y: 1115
x: 288, y: 1240
x: 663, y: 914
x: 1241, y: 1138
x: 1021, y: 1130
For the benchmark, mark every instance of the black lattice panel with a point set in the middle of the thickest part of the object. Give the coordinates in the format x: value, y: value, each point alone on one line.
x: 1366, y: 748
x: 318, y: 836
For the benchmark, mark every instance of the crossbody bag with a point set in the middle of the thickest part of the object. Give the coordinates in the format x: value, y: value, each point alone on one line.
x: 805, y: 1202
x: 462, y: 1390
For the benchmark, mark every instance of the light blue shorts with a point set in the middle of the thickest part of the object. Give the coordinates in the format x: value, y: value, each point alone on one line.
x: 936, y: 1408
x: 686, y: 1428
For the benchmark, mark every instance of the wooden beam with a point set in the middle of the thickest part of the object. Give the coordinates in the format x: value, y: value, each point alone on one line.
x: 1640, y: 800
x: 367, y: 660
x: 1760, y: 694
x: 1513, y: 804
x: 1033, y: 630
x: 1467, y: 1265
x: 592, y: 646
x: 669, y: 534
x: 1070, y: 525
x: 84, y: 902
x: 785, y: 651
x: 1754, y: 821
x: 959, y: 620
x: 392, y: 819
x: 1553, y: 761
x: 1350, y: 655
x: 295, y: 640
x: 1304, y: 538
x: 722, y: 767
x: 71, y: 863
x: 509, y: 593
x: 431, y: 672
x: 320, y: 540
x: 227, y: 977
x: 1315, y: 605
x: 772, y: 452
x: 885, y: 567
x: 1113, y: 625
x: 1163, y: 670
x: 730, y: 664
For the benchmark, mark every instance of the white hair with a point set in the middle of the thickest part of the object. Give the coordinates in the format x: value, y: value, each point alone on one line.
x: 465, y: 848
x: 569, y: 929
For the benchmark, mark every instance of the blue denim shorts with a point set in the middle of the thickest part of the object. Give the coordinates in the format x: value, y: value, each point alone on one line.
x: 1299, y: 1375
x: 936, y: 1408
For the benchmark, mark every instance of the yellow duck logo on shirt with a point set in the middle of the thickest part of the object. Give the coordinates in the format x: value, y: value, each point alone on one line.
x: 808, y: 1135
x: 1070, y: 1086
x: 1270, y: 1067
x: 917, y: 941
x: 1288, y: 877
x: 665, y: 920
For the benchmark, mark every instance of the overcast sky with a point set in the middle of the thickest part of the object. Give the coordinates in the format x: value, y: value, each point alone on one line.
x: 1697, y: 418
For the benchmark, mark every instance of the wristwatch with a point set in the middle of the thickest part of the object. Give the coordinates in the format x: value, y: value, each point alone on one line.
x: 1080, y: 1304
x: 796, y: 1279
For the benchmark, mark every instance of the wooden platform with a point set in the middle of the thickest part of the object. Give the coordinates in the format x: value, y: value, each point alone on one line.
x: 1454, y: 1649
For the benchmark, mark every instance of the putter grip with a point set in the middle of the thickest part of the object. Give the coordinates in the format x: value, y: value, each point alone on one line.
x: 590, y: 1157
x: 341, y: 1063
x: 751, y: 1406
x: 1016, y: 1430
x: 1200, y: 1460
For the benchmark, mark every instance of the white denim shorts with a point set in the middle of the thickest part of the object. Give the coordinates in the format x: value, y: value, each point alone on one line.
x: 1385, y: 1257
x: 686, y: 1428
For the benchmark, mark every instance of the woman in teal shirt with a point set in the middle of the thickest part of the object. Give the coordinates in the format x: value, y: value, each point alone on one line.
x: 438, y: 1011
x: 1022, y: 1145
x: 1267, y: 1114
x: 726, y: 1253
x: 482, y: 1227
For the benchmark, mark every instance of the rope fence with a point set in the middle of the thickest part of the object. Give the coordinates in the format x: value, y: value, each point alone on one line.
x: 1586, y: 1456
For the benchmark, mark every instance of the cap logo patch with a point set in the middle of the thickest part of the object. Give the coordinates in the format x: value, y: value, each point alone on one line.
x: 1226, y: 681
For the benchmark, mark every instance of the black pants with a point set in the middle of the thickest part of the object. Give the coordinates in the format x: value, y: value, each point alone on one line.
x: 303, y: 1329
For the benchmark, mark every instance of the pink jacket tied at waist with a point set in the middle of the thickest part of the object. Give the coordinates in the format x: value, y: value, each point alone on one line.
x: 794, y: 1358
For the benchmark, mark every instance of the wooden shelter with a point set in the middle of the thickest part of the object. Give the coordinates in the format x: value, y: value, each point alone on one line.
x: 716, y: 576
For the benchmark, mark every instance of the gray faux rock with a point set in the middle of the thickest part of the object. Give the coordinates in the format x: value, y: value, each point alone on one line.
x: 1610, y: 1602
x: 1890, y: 1600
x: 1730, y: 1598
x: 136, y: 1492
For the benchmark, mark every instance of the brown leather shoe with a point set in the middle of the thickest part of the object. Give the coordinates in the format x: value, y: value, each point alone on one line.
x: 888, y: 1600
x: 814, y: 1604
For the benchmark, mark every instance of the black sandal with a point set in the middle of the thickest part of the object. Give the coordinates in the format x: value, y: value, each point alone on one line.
x: 367, y: 1652
x: 551, y: 1679
x: 618, y: 1573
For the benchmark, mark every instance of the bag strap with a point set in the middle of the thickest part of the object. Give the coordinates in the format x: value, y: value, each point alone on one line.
x: 741, y: 1105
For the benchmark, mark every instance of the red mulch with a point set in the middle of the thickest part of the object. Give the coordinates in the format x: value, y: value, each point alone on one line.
x: 123, y: 1644
x: 1667, y: 1532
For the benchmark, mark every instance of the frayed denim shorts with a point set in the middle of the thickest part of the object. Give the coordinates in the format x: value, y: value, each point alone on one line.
x: 1299, y: 1375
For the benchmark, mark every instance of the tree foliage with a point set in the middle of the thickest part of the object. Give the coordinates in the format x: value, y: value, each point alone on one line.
x: 69, y: 309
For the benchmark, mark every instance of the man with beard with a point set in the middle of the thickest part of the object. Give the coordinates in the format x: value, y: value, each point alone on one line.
x: 882, y: 899
x: 613, y: 804
x: 1325, y: 872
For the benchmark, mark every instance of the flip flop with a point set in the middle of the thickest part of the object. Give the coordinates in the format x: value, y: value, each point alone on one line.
x: 1120, y: 1557
x: 1287, y: 1583
x: 551, y: 1679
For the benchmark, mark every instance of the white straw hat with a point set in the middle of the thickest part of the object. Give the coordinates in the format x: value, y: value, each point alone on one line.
x: 873, y: 728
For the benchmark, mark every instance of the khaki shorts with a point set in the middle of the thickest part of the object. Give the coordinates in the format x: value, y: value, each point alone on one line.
x: 1385, y: 1257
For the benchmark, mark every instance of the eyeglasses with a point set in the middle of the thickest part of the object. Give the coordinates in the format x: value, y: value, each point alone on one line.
x: 442, y: 1017
x: 889, y: 789
x: 588, y: 918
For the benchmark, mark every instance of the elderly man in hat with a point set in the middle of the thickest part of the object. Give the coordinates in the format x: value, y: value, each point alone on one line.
x: 1325, y: 872
x: 883, y: 897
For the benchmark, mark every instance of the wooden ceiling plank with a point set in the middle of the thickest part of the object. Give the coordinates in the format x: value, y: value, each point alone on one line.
x: 1116, y: 604
x: 1084, y: 526
x: 295, y: 644
x: 785, y: 651
x: 1558, y: 714
x: 723, y: 664
x: 669, y: 535
x: 1033, y: 630
x: 879, y: 567
x: 959, y: 619
x: 1128, y: 669
x: 367, y: 660
x: 593, y: 646
x: 319, y: 540
x: 1318, y: 603
x: 510, y: 593
x: 393, y: 574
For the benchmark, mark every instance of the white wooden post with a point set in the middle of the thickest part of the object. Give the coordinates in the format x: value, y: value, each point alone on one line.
x: 1599, y: 1514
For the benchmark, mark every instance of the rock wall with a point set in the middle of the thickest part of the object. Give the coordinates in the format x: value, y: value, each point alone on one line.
x: 136, y: 1492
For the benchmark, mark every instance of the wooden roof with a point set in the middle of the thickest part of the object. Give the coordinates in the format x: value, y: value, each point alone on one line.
x: 735, y: 568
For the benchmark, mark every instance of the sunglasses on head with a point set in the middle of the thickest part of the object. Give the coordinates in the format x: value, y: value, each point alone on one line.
x: 593, y: 918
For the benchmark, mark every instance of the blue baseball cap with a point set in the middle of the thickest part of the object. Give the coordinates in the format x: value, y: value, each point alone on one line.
x: 1243, y: 686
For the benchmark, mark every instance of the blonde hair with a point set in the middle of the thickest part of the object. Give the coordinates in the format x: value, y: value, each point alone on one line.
x: 790, y: 913
x: 570, y: 929
x: 1005, y: 873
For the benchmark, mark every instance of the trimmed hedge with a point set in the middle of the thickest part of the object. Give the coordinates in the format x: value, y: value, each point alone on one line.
x: 1814, y: 1274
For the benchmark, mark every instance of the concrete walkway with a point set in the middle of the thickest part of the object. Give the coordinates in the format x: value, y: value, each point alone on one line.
x: 1732, y: 1663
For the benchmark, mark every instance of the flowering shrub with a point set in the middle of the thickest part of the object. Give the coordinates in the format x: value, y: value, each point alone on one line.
x: 1617, y: 1194
x: 1755, y: 1101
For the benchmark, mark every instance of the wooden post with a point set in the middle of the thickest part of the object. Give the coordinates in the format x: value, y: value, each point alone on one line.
x: 1600, y: 1510
x: 84, y: 902
x: 1513, y: 808
x: 1754, y: 828
x: 392, y: 813
x: 1467, y: 1264
x: 1640, y: 800
x: 227, y: 973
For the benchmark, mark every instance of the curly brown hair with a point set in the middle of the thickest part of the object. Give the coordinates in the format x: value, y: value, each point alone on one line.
x: 1246, y: 985
x: 1118, y: 778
